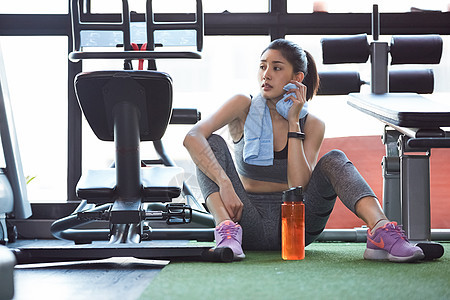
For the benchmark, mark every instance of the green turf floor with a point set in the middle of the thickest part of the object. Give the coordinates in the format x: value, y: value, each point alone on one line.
x: 329, y: 271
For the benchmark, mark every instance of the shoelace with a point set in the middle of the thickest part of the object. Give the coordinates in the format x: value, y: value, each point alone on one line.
x: 397, y: 230
x: 228, y: 230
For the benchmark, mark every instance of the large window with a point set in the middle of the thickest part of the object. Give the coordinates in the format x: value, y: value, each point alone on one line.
x: 37, y: 79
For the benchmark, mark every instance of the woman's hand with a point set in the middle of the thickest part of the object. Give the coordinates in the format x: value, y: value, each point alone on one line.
x: 297, y: 103
x: 231, y: 201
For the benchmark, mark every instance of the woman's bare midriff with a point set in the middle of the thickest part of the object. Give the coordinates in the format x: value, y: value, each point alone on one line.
x: 257, y: 186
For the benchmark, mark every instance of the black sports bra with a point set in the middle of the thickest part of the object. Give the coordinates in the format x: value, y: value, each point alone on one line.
x: 275, y: 173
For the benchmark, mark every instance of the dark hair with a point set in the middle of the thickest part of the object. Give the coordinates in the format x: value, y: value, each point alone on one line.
x: 301, y: 60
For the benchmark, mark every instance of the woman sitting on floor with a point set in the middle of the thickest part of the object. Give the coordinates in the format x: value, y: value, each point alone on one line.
x: 277, y: 144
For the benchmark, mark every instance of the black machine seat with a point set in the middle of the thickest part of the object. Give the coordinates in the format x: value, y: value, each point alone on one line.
x: 159, y: 184
x: 150, y: 91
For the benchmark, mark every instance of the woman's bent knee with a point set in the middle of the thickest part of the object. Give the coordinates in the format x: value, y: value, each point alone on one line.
x: 333, y: 159
x: 335, y: 154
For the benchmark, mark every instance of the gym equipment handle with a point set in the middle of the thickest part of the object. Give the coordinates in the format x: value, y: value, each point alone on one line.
x: 185, y: 116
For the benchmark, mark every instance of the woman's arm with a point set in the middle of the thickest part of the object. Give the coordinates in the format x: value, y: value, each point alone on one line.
x: 198, y: 147
x: 302, y: 154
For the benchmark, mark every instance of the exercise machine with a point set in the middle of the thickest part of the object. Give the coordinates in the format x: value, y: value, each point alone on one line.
x: 128, y: 107
x: 414, y: 124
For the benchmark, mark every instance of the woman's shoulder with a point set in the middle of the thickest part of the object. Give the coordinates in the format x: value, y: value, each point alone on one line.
x: 234, y: 110
x: 315, y: 123
x: 239, y: 104
x: 241, y: 100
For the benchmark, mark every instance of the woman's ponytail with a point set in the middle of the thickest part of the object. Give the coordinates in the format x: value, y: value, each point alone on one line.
x: 311, y: 79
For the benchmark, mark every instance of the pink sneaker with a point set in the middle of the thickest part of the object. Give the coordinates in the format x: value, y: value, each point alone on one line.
x: 229, y: 234
x: 390, y: 243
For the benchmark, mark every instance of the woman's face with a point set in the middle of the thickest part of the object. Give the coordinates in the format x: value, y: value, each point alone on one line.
x: 274, y: 73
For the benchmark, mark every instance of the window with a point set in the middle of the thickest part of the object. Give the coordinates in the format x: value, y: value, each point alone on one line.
x: 139, y: 6
x: 183, y: 6
x: 236, y: 6
x: 38, y: 90
x: 351, y: 6
x: 34, y: 7
x: 228, y: 66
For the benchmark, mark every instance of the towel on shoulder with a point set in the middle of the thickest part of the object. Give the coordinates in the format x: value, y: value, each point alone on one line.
x: 258, y: 132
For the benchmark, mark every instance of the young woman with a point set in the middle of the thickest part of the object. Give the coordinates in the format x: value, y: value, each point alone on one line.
x: 277, y: 143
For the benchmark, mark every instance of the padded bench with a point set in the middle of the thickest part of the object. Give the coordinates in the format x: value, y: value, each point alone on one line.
x: 159, y: 184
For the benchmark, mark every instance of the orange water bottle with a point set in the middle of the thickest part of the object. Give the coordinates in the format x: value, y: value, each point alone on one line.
x: 293, y: 224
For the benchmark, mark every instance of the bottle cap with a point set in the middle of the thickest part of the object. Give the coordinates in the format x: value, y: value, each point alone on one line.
x: 294, y: 194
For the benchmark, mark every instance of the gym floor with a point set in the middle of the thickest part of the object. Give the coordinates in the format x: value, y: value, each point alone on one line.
x: 330, y: 270
x: 114, y: 278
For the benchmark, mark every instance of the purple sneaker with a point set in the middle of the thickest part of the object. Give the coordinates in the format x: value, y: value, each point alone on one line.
x: 229, y: 234
x: 390, y: 243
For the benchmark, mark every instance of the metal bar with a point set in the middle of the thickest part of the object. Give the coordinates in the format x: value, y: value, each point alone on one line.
x: 391, y: 176
x: 61, y: 228
x: 75, y: 56
x: 30, y: 25
x: 126, y: 137
x: 359, y: 235
x: 247, y: 23
x: 428, y: 142
x: 418, y: 132
x: 74, y: 128
x: 391, y: 188
x: 415, y: 194
x: 379, y: 67
x: 375, y: 22
x: 277, y: 8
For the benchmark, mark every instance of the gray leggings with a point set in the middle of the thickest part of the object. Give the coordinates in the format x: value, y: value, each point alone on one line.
x: 334, y: 175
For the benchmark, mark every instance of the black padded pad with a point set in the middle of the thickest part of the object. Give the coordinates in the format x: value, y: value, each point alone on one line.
x: 150, y: 91
x: 339, y: 83
x: 416, y: 49
x: 161, y: 183
x: 411, y: 81
x: 404, y: 110
x: 351, y: 49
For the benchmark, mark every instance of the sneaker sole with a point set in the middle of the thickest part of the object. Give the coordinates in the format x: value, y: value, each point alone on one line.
x: 373, y: 254
x: 238, y: 257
